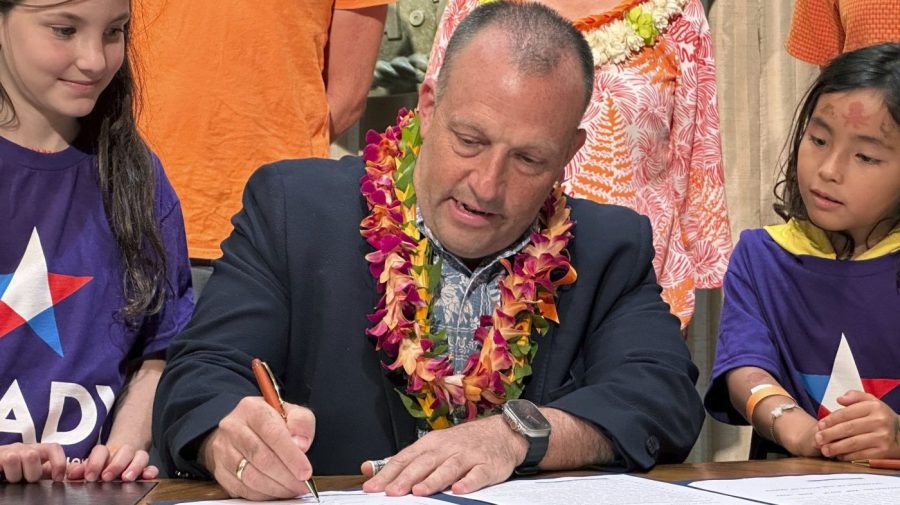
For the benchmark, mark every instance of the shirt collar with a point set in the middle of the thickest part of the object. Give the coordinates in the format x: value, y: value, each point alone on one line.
x: 487, y: 262
x: 801, y: 238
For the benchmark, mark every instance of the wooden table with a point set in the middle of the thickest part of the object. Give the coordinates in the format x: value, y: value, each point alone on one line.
x: 170, y: 490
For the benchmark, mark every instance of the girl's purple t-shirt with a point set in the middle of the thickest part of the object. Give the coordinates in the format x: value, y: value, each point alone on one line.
x: 64, y: 349
x: 819, y: 326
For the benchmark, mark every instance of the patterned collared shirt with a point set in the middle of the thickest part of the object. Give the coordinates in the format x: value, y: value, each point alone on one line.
x: 465, y: 295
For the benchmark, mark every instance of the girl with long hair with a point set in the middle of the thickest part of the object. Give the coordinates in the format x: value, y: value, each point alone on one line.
x: 94, y: 278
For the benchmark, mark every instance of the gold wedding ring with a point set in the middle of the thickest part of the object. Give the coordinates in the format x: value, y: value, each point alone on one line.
x: 240, y: 469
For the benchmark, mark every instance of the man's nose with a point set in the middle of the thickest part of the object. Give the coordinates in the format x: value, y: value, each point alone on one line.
x: 488, y: 180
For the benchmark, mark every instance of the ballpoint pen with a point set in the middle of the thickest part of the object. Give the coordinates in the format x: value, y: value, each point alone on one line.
x: 269, y: 388
x: 885, y: 464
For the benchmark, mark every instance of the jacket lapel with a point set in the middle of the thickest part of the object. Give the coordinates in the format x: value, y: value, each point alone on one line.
x: 402, y: 423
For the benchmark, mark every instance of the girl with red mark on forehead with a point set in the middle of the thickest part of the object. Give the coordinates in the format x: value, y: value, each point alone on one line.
x: 807, y: 349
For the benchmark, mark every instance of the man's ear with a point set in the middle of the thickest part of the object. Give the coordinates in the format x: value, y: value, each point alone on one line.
x: 427, y: 104
x: 577, y: 143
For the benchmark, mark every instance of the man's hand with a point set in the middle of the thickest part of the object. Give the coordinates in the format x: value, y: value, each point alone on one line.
x: 275, y: 451
x: 467, y: 457
x: 32, y: 462
x: 865, y: 428
x: 125, y: 463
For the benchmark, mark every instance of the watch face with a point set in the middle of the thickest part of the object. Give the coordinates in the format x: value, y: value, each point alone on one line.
x: 528, y: 415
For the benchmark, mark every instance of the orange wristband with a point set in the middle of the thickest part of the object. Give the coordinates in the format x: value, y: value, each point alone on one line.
x: 763, y: 392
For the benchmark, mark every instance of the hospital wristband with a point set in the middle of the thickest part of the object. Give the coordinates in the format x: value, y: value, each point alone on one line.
x: 761, y: 392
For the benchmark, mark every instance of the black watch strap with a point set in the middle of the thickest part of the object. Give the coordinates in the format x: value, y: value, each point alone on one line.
x: 537, y: 448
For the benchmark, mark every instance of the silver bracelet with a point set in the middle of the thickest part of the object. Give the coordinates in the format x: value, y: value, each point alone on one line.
x: 778, y: 412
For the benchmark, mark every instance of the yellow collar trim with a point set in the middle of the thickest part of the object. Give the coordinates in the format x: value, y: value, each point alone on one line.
x: 802, y: 238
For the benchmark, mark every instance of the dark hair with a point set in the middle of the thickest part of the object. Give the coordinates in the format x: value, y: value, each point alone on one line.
x: 538, y: 39
x: 127, y: 180
x: 874, y: 67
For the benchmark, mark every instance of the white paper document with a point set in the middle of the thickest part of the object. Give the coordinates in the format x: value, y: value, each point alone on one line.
x: 336, y: 498
x: 598, y: 489
x: 833, y: 489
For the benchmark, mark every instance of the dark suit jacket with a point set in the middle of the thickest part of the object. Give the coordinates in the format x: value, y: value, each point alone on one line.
x: 293, y: 288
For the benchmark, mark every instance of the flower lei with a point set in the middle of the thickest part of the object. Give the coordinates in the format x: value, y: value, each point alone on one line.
x: 407, y: 276
x: 616, y: 40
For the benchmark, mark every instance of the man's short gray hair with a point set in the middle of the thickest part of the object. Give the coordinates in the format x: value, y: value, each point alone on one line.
x: 538, y: 39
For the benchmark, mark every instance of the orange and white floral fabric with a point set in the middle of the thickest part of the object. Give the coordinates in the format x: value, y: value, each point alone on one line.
x: 652, y: 145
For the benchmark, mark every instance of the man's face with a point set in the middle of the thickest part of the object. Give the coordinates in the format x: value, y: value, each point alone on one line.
x: 494, y: 144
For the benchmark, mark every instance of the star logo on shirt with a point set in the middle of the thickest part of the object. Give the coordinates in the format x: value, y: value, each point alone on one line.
x: 844, y: 376
x: 28, y: 295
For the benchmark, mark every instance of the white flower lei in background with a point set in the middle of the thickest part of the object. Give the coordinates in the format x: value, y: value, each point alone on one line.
x: 615, y: 41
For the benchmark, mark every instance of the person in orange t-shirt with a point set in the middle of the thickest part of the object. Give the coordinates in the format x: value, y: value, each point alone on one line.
x: 230, y: 86
x: 823, y: 29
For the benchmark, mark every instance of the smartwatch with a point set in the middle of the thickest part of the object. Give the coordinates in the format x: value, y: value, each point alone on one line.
x: 525, y: 418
